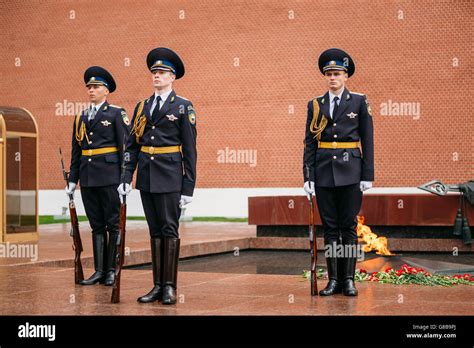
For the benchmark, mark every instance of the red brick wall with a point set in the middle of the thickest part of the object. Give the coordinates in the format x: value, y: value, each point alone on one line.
x: 407, y: 59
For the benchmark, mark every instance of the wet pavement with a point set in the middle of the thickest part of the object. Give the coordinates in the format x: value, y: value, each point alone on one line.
x: 51, y: 291
x: 54, y: 248
x: 236, y: 281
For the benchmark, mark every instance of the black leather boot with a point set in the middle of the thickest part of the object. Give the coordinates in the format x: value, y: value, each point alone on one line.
x: 111, y: 259
x: 156, y: 294
x: 341, y: 262
x: 170, y: 270
x: 98, y: 246
x: 348, y: 287
x: 333, y: 287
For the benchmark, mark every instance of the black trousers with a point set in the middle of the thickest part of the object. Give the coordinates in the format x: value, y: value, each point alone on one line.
x: 102, y: 206
x: 338, y: 208
x: 162, y: 213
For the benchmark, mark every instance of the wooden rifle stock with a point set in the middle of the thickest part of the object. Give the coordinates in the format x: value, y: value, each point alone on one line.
x: 75, y: 234
x: 120, y: 251
x: 313, y: 248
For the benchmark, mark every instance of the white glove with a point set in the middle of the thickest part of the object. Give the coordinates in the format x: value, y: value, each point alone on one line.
x: 70, y: 188
x: 309, y: 188
x: 185, y: 200
x: 128, y: 189
x: 122, y: 192
x: 365, y: 185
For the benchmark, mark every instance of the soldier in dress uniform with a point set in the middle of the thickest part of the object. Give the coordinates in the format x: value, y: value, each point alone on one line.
x: 97, y: 149
x: 163, y: 145
x: 338, y: 165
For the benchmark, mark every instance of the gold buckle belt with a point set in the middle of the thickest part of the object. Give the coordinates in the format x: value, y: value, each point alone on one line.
x: 155, y: 150
x: 338, y: 145
x: 99, y: 151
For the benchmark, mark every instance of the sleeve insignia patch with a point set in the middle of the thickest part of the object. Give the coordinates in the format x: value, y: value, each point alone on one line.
x: 191, y: 115
x: 125, y: 118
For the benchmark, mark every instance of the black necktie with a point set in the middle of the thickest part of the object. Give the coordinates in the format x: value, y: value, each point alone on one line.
x: 336, y: 105
x: 155, y: 107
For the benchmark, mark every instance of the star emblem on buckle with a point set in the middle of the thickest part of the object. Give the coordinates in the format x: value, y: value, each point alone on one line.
x: 151, y: 150
x: 90, y: 152
x: 334, y: 145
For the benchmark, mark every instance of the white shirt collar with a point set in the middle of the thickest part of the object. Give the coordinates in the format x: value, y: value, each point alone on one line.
x: 332, y: 96
x: 98, y: 106
x: 164, y: 96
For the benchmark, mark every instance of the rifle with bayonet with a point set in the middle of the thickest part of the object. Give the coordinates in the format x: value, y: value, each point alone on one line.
x: 74, y: 233
x: 120, y: 249
x: 312, y: 242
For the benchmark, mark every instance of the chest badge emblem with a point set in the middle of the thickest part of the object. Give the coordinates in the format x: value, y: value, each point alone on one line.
x: 351, y: 115
x: 171, y: 117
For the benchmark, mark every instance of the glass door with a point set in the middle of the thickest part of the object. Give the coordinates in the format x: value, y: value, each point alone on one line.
x: 21, y: 200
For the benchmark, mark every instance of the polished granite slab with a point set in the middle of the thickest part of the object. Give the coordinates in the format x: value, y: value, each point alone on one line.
x: 51, y: 291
